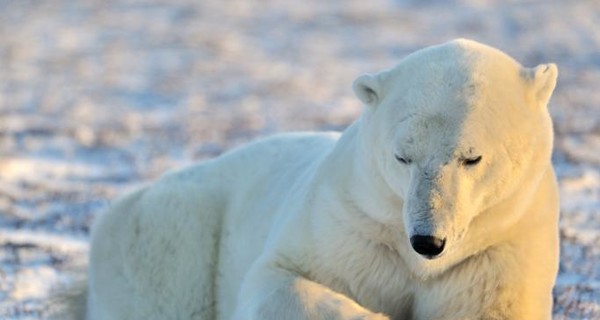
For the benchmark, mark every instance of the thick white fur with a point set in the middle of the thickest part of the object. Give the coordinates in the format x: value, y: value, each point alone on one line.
x: 316, y: 226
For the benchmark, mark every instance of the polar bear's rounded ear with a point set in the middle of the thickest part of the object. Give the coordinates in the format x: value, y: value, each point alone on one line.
x: 542, y: 80
x: 367, y: 89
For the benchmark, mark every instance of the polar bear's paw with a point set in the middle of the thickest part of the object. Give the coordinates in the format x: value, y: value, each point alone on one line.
x: 345, y: 310
x: 375, y: 316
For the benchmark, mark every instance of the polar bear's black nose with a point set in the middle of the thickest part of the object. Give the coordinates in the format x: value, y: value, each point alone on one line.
x: 427, y: 246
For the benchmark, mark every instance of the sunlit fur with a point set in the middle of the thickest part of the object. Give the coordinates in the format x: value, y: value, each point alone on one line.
x: 317, y: 226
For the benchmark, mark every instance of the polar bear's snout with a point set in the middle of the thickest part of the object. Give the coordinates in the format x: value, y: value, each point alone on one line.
x: 428, y: 246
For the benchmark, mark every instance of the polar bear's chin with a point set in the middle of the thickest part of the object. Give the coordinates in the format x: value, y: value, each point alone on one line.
x: 432, y: 257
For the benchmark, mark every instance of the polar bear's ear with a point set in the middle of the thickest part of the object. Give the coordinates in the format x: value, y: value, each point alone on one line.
x: 367, y: 89
x: 543, y: 80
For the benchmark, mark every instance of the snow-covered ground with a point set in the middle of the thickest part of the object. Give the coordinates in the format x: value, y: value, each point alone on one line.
x: 99, y: 96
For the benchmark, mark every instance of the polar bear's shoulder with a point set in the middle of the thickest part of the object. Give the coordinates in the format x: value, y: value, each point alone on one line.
x: 287, y: 144
x: 302, y: 137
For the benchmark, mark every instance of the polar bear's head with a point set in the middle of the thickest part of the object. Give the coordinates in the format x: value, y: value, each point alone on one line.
x: 454, y: 130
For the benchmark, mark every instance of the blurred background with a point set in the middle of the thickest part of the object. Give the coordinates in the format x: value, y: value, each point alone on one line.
x: 99, y: 96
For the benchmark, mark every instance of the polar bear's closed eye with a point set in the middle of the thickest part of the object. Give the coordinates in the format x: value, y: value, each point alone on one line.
x: 403, y: 160
x: 471, y: 161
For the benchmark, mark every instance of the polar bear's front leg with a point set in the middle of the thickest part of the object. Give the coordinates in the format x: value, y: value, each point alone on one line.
x: 279, y: 294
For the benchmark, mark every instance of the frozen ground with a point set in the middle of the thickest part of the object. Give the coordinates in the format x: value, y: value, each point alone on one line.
x: 98, y: 96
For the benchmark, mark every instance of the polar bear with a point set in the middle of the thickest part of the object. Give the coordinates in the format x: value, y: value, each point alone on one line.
x: 439, y: 202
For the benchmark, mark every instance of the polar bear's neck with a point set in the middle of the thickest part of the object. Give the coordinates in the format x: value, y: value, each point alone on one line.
x: 362, y: 197
x: 359, y: 224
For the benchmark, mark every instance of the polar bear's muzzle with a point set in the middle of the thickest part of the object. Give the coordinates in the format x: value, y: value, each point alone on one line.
x: 429, y: 247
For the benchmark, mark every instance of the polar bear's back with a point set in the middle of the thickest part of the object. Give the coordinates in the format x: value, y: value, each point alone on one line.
x: 167, y: 250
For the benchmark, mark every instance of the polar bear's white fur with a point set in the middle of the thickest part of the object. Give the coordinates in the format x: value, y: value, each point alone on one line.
x: 454, y: 145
